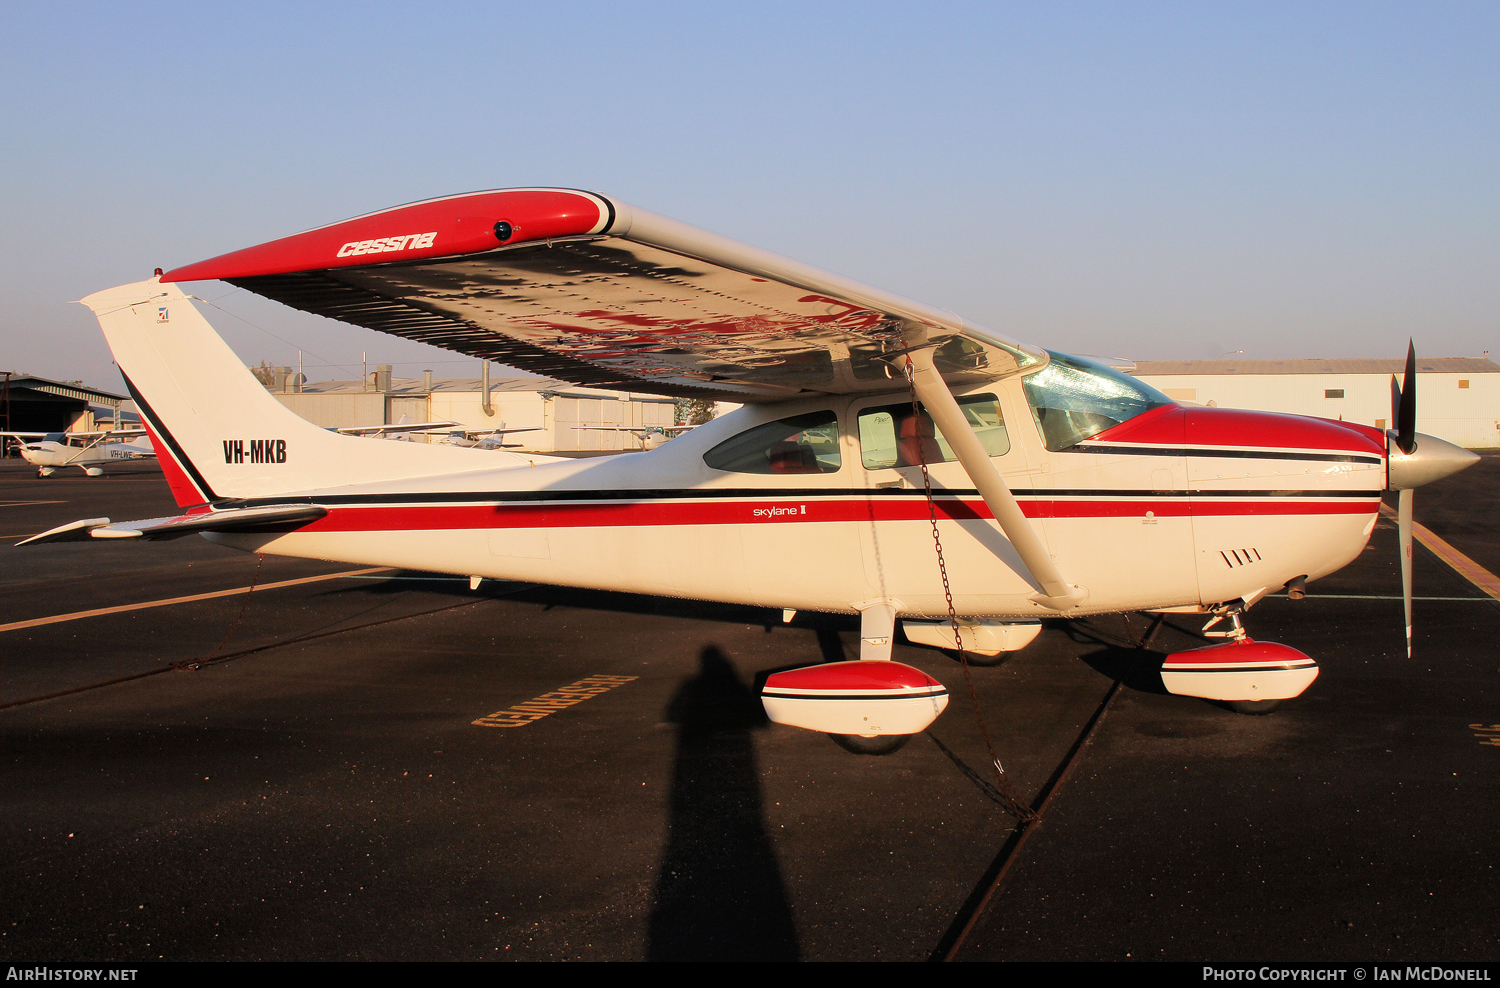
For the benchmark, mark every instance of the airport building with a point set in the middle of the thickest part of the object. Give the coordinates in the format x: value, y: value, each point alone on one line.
x: 1458, y: 398
x: 36, y: 404
x: 564, y: 417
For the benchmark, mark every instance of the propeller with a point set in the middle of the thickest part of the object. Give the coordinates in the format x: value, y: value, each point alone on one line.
x: 1404, y: 403
x: 1412, y: 460
x: 1404, y: 435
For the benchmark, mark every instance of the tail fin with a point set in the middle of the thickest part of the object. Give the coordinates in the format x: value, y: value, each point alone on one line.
x: 218, y: 432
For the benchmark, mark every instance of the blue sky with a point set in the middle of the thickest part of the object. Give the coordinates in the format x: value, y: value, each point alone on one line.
x: 1149, y: 180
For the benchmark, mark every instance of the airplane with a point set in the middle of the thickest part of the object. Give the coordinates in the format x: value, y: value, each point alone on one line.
x: 650, y: 437
x: 51, y: 451
x: 400, y: 431
x: 890, y: 460
x: 479, y: 439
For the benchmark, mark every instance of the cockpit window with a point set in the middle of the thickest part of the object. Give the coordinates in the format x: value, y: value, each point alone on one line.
x: 891, y: 436
x: 802, y: 444
x: 1074, y: 398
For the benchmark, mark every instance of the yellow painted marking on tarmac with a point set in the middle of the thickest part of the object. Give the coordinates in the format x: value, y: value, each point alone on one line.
x: 1488, y: 734
x: 14, y: 504
x: 1462, y: 565
x: 550, y: 703
x: 100, y: 611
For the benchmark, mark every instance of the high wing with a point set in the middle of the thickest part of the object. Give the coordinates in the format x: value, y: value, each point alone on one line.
x: 590, y: 290
x: 116, y: 433
x: 475, y: 433
x: 380, y: 430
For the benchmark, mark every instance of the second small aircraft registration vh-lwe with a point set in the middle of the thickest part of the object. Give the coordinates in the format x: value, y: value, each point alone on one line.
x: 1058, y: 486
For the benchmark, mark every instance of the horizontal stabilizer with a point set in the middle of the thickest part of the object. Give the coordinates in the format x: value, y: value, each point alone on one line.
x: 73, y: 531
x: 159, y: 529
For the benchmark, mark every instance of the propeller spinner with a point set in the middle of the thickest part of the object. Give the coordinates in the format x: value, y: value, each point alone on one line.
x: 1413, y: 460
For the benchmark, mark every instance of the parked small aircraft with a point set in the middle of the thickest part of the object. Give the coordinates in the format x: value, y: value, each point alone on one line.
x: 398, y: 430
x: 480, y: 438
x: 650, y: 437
x: 89, y: 451
x: 874, y: 431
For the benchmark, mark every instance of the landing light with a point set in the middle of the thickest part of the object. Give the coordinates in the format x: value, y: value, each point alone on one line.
x: 503, y: 230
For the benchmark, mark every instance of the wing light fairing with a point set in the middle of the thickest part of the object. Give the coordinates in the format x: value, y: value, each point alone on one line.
x: 599, y: 293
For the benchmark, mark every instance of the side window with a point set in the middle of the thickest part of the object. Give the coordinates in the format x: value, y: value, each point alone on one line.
x: 802, y: 444
x: 891, y: 436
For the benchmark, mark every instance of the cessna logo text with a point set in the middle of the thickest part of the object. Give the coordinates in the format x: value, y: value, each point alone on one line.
x: 412, y: 241
x: 255, y: 451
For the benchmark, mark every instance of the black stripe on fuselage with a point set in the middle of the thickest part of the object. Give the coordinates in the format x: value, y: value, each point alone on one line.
x: 753, y: 493
x: 1242, y: 454
x: 162, y: 431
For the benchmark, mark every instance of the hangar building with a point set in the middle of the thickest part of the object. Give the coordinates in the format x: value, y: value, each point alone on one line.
x: 1458, y: 398
x: 36, y: 404
x: 566, y: 418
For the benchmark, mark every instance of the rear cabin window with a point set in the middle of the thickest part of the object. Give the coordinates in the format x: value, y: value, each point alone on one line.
x: 801, y: 444
x: 1074, y: 399
x: 892, y: 436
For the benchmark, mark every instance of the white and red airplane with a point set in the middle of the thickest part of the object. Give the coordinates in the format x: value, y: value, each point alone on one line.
x: 1058, y: 485
x: 649, y: 436
x: 49, y: 452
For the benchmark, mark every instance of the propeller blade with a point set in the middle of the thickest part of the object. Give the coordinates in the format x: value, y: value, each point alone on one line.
x: 1406, y: 416
x: 1395, y: 404
x: 1404, y: 506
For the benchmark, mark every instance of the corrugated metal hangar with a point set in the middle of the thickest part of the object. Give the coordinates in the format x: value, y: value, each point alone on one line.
x: 36, y: 404
x: 1458, y: 397
x: 566, y: 418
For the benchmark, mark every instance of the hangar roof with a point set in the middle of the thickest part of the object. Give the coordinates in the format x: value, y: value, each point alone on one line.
x: 62, y: 389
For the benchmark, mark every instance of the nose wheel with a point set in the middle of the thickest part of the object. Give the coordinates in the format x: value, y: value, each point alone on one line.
x: 1254, y: 707
x: 881, y: 744
x: 1247, y: 676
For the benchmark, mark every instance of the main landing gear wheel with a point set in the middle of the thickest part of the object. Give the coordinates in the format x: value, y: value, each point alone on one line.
x: 978, y: 661
x: 1256, y: 707
x: 880, y: 744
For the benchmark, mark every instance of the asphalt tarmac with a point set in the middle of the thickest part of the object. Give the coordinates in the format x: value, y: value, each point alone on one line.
x: 295, y: 774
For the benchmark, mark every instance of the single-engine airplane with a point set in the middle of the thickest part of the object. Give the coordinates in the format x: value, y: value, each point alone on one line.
x: 89, y: 451
x: 1058, y: 486
x: 650, y: 436
x: 395, y: 431
x: 479, y: 438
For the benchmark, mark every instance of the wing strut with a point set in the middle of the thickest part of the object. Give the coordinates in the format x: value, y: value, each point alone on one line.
x: 933, y: 392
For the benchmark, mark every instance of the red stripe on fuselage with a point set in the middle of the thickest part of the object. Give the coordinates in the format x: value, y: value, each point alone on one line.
x: 773, y: 512
x: 184, y: 491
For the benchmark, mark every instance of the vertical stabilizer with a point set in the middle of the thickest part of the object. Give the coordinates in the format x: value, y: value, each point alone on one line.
x: 219, y: 433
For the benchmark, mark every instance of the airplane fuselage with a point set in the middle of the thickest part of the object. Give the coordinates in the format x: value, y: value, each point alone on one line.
x: 49, y: 453
x: 1180, y: 506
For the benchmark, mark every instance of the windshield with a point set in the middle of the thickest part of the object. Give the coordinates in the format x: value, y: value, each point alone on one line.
x: 1074, y: 398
